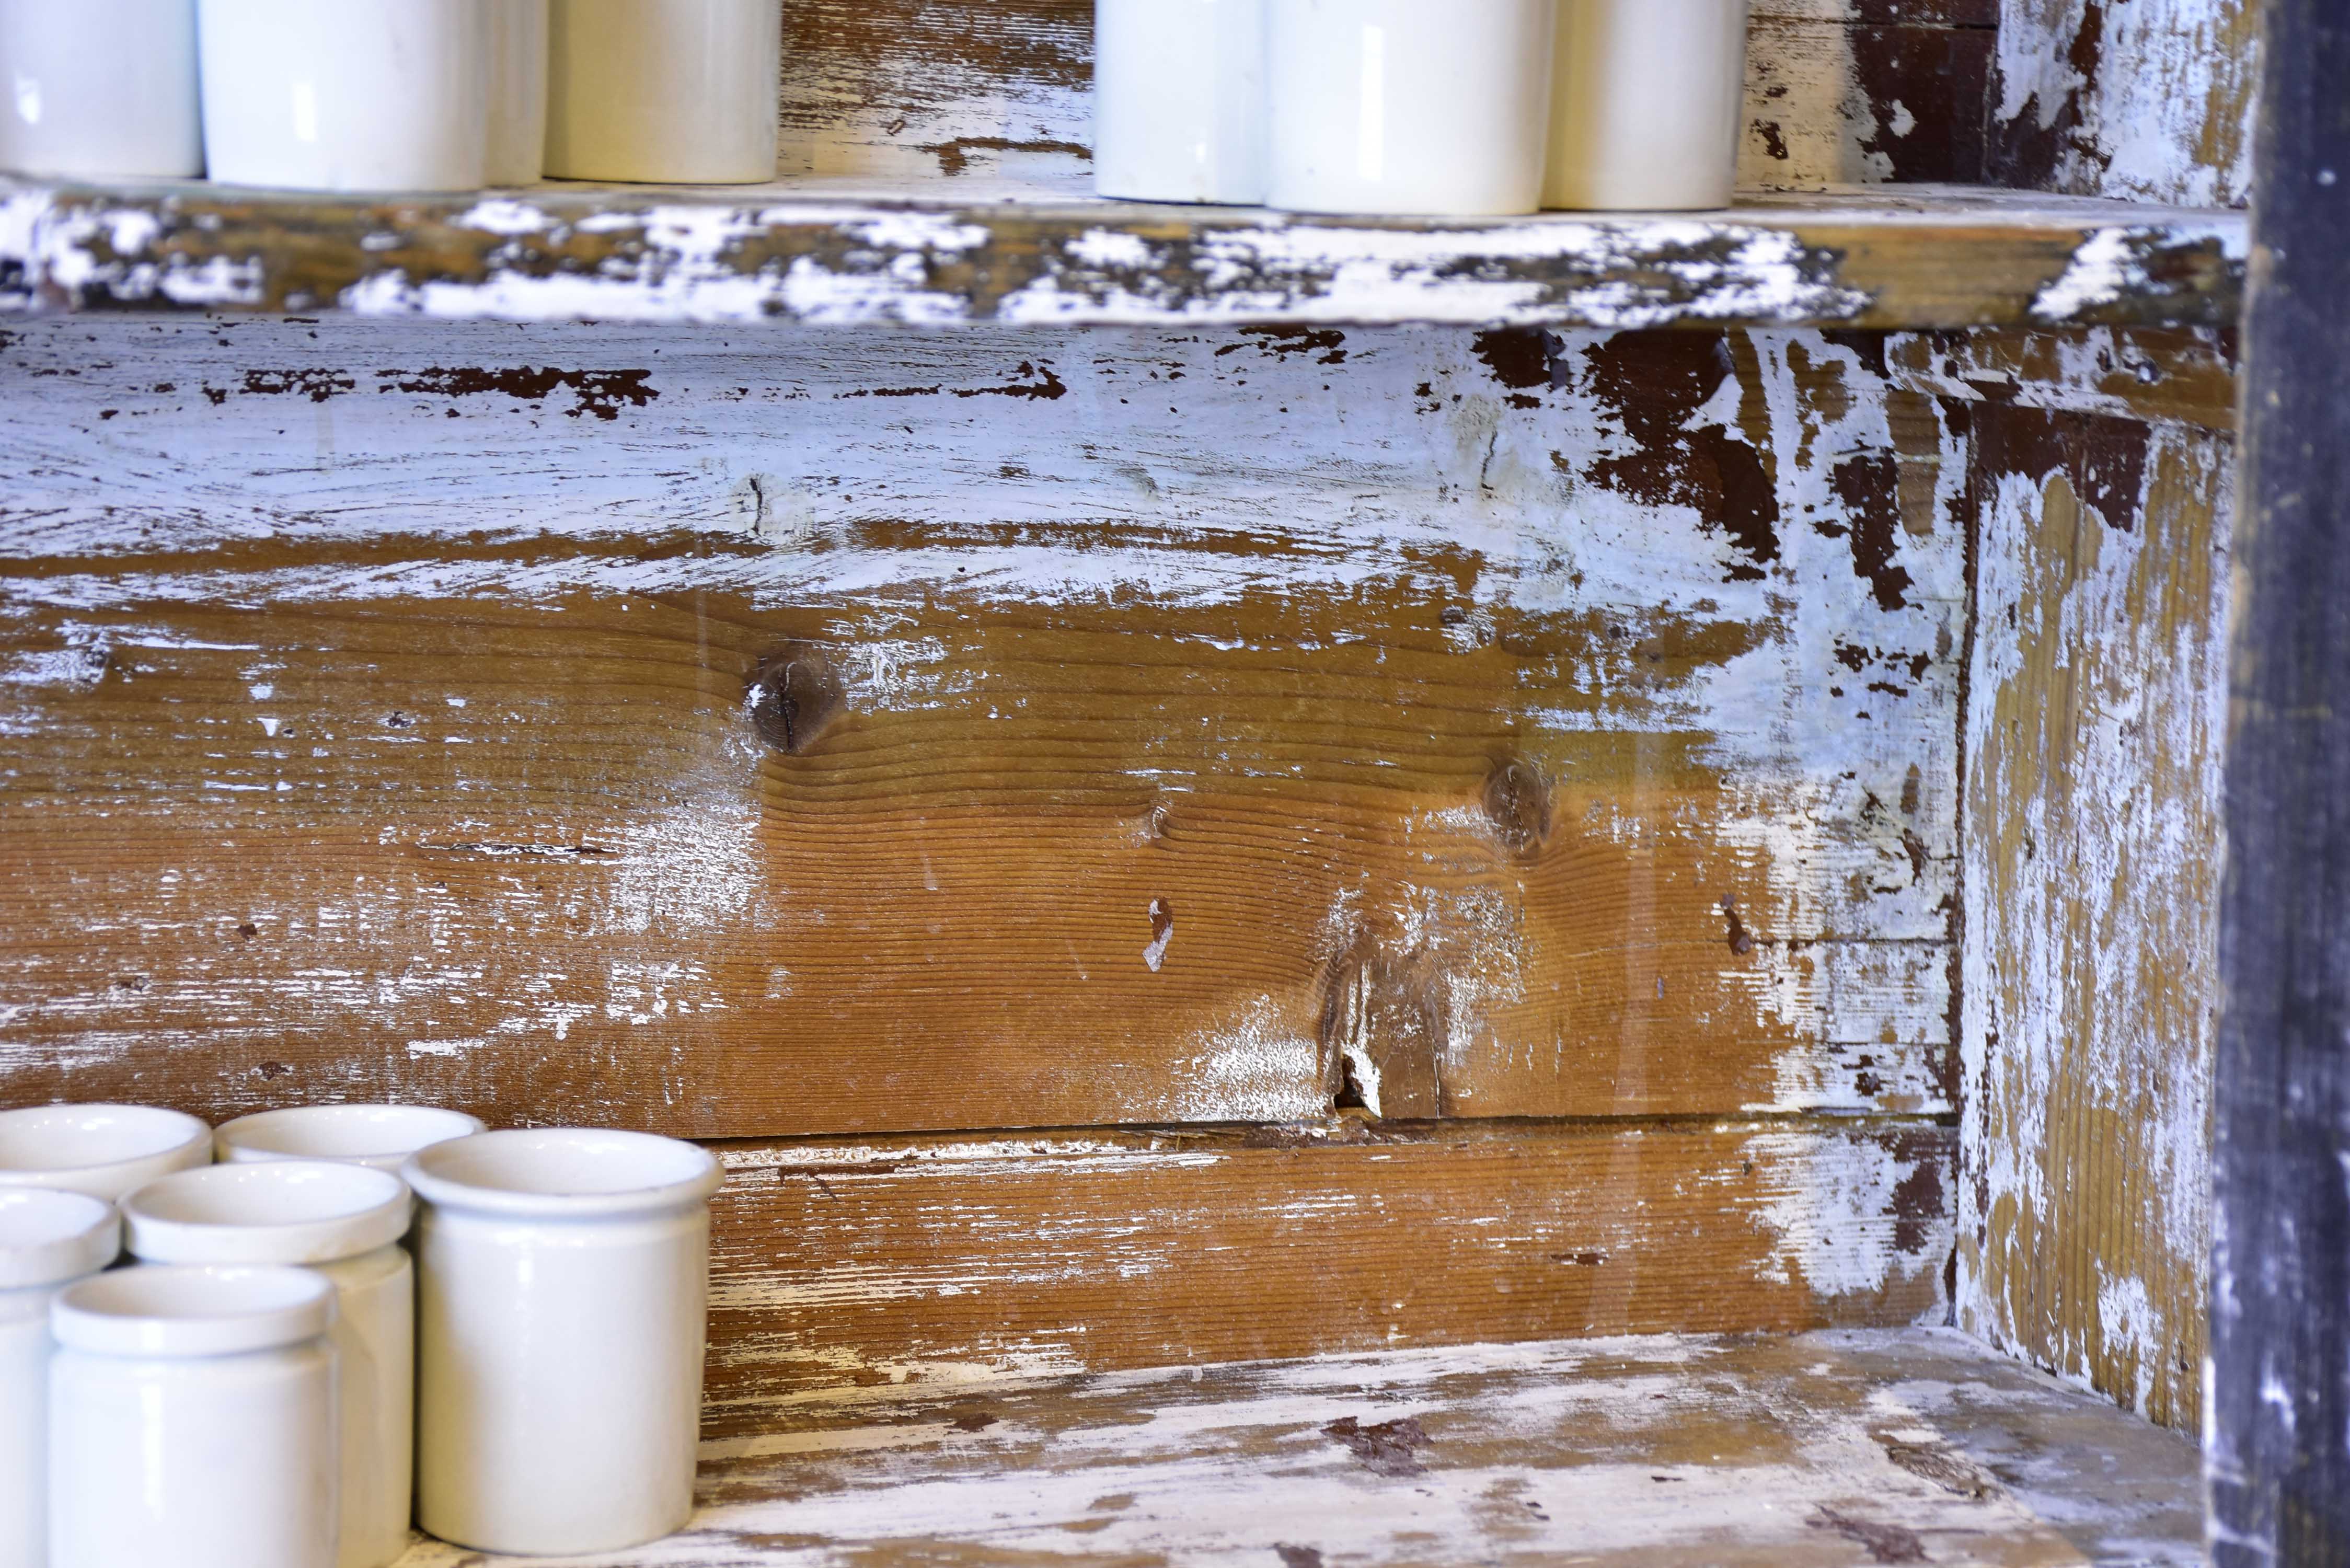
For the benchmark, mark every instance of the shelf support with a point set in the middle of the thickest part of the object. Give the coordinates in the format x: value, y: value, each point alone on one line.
x: 2278, y: 1427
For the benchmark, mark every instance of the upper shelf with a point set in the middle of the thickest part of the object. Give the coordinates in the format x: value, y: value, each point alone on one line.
x: 836, y: 253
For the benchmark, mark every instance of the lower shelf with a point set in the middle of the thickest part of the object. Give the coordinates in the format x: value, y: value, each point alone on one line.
x: 1868, y: 1446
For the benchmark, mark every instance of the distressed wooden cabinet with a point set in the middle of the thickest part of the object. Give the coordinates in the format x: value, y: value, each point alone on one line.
x: 1178, y: 786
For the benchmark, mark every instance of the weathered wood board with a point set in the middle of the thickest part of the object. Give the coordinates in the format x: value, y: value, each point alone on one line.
x: 931, y: 252
x: 911, y: 1259
x: 1822, y: 1450
x: 2150, y: 100
x: 2095, y: 708
x: 1188, y: 727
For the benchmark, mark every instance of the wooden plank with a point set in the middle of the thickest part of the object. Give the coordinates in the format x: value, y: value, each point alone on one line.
x: 2152, y: 100
x: 2093, y: 720
x: 920, y: 1260
x: 2279, y: 1431
x: 2186, y: 376
x: 1823, y: 1449
x: 819, y: 252
x: 1577, y: 738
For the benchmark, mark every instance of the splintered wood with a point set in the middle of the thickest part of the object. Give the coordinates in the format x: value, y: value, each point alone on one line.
x: 1821, y: 1450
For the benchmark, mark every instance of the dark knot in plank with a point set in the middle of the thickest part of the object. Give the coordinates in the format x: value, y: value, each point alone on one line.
x: 793, y: 697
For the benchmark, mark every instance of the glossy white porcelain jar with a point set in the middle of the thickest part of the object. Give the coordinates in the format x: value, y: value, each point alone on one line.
x: 359, y: 95
x: 672, y: 92
x: 99, y: 89
x: 380, y: 1137
x: 1405, y: 107
x: 47, y: 1240
x: 1179, y: 99
x: 344, y: 1221
x: 191, y: 1420
x: 517, y: 126
x: 107, y: 1151
x: 562, y: 1282
x: 1649, y: 98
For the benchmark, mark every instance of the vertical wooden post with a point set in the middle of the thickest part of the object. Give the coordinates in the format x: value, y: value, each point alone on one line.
x: 2278, y: 1427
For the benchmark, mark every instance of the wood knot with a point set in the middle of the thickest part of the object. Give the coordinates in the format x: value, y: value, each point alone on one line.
x: 793, y: 699
x: 1517, y: 802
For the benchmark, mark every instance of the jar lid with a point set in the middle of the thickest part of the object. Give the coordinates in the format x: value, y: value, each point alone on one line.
x: 377, y: 1136
x: 104, y: 1150
x: 563, y: 1173
x: 277, y: 1211
x: 192, y: 1310
x: 47, y: 1238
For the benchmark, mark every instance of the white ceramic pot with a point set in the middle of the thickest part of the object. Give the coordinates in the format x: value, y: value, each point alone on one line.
x: 191, y: 1420
x: 1646, y: 104
x: 517, y: 91
x: 107, y: 1151
x: 379, y: 1137
x: 672, y: 92
x: 344, y: 1221
x: 359, y: 95
x: 1407, y: 106
x: 562, y: 1280
x: 1179, y: 99
x: 99, y: 89
x: 47, y: 1240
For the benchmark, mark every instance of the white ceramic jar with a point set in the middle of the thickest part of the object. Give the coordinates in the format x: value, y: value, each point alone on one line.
x: 191, y: 1420
x: 345, y: 1221
x: 107, y: 1151
x: 47, y: 1240
x: 359, y: 95
x: 517, y: 125
x: 562, y: 1281
x: 1179, y: 99
x: 1405, y: 107
x: 672, y: 92
x: 380, y: 1137
x: 99, y: 89
x: 1647, y: 101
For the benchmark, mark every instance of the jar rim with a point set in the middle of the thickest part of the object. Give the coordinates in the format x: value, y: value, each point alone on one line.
x: 564, y: 1172
x: 268, y: 1211
x: 61, y: 1145
x: 168, y: 1310
x: 49, y: 1236
x: 382, y: 1135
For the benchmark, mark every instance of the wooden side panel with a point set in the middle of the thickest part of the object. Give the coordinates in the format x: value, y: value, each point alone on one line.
x: 1838, y: 92
x: 938, y: 1261
x: 2093, y: 724
x: 2146, y: 100
x: 903, y: 733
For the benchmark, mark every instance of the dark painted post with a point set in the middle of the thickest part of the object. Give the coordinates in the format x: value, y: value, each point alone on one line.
x: 2278, y: 1452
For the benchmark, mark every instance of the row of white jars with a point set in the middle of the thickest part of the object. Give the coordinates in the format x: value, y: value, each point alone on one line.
x: 391, y: 94
x: 555, y: 1358
x: 1470, y: 107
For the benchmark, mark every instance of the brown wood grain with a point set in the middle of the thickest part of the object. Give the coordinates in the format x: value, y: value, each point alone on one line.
x: 924, y: 1260
x: 744, y: 742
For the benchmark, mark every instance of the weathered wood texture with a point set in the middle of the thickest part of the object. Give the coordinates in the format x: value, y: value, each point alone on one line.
x: 1838, y: 91
x: 2101, y: 480
x: 928, y: 1259
x: 2279, y: 1432
x: 824, y: 253
x: 2148, y: 99
x: 1200, y: 727
x: 1815, y: 1451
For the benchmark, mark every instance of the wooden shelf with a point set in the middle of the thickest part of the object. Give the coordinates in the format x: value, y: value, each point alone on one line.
x: 832, y: 252
x: 1859, y: 1448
